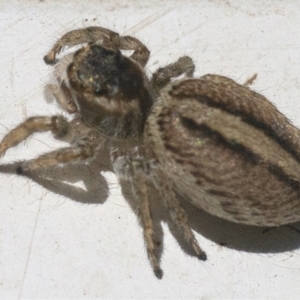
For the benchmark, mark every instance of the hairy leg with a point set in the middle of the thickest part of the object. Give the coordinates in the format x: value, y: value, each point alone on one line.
x: 62, y: 95
x: 57, y: 124
x: 184, y: 65
x: 61, y: 156
x: 83, y: 148
x: 141, y: 185
x: 250, y: 80
x: 141, y: 53
x: 109, y: 39
x: 142, y: 193
x: 81, y: 36
x: 178, y: 214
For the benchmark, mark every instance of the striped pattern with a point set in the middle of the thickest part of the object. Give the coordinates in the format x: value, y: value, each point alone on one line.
x: 228, y: 150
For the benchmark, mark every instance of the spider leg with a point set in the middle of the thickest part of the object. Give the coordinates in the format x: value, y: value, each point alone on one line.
x: 250, y: 80
x: 178, y: 214
x: 109, y: 38
x: 141, y: 186
x: 142, y: 193
x: 179, y: 217
x: 161, y: 77
x: 57, y: 124
x: 141, y: 53
x: 81, y: 36
x: 62, y: 95
x: 83, y: 148
x: 61, y: 156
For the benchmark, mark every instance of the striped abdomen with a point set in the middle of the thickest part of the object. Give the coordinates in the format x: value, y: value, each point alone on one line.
x: 228, y: 150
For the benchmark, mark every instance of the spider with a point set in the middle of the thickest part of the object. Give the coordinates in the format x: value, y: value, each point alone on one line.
x: 219, y: 144
x: 113, y: 99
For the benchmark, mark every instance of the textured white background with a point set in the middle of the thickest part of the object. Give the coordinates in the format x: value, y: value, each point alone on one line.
x: 55, y: 244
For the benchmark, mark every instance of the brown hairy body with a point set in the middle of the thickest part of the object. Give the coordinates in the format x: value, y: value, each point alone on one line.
x: 217, y: 143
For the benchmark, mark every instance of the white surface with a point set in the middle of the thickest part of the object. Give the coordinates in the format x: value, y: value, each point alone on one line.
x: 54, y: 247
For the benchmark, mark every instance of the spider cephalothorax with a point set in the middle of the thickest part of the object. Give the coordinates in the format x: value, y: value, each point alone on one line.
x: 109, y: 91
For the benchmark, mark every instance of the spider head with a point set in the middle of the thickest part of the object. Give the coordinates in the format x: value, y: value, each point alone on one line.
x: 104, y: 72
x: 108, y: 89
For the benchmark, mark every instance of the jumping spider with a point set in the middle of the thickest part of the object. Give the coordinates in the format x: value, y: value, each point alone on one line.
x: 219, y: 144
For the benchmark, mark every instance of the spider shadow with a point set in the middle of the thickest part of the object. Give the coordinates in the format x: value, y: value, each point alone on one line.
x: 60, y: 180
x: 240, y: 237
x: 63, y: 179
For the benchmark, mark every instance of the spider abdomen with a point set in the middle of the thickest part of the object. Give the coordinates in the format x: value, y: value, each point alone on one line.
x: 231, y: 166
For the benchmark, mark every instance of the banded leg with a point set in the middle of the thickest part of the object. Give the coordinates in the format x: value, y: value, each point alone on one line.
x: 178, y: 215
x: 141, y: 53
x: 141, y: 190
x: 109, y: 39
x: 83, y: 148
x: 81, y: 36
x: 61, y: 156
x: 57, y: 124
x: 184, y: 65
